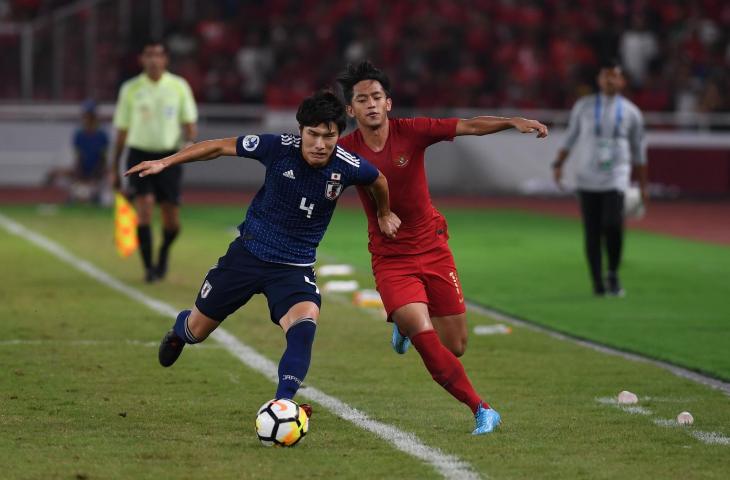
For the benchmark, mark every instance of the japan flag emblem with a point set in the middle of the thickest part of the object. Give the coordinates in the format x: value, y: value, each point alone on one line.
x: 333, y: 190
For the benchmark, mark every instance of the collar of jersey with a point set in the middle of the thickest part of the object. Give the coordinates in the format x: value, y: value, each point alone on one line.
x: 165, y: 75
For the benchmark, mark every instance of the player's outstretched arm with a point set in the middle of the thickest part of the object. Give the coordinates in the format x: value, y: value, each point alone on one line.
x: 387, y: 220
x: 206, y: 150
x: 486, y: 125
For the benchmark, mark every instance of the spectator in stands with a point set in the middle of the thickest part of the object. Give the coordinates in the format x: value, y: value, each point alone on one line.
x: 255, y: 61
x: 639, y: 47
x: 546, y: 51
x: 85, y: 180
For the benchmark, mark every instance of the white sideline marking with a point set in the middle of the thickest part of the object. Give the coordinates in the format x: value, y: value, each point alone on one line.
x: 634, y: 410
x: 709, y: 438
x: 449, y: 466
x: 665, y: 422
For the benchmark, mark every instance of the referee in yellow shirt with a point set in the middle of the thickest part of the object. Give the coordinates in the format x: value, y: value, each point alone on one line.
x: 154, y: 117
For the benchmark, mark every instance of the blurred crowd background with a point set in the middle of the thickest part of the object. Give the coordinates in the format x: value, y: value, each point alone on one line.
x: 441, y: 53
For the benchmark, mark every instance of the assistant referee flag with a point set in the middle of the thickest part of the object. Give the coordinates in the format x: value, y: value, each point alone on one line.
x: 125, y: 226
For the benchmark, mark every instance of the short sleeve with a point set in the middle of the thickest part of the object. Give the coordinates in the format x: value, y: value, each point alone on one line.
x: 189, y: 111
x: 428, y: 131
x: 261, y: 147
x: 366, y: 173
x: 122, y: 112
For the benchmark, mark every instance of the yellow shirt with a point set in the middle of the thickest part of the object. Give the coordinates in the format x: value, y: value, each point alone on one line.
x: 153, y: 112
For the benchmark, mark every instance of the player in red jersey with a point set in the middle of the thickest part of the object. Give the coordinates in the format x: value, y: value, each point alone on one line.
x: 415, y: 271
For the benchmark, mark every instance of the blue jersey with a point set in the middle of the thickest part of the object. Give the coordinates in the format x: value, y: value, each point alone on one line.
x: 90, y: 147
x: 290, y: 213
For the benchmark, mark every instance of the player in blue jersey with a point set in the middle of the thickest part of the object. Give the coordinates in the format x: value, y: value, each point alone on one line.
x: 284, y: 224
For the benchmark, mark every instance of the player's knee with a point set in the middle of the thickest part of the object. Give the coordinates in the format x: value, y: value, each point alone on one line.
x: 307, y: 309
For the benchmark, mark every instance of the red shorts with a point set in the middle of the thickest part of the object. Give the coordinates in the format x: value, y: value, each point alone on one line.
x: 428, y: 278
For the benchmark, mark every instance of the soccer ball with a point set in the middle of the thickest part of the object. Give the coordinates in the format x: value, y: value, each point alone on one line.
x: 633, y: 205
x: 281, y: 422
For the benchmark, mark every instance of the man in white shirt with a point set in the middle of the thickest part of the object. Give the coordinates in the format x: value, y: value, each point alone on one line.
x: 607, y: 132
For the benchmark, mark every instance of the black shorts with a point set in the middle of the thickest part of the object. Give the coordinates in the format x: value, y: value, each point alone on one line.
x: 239, y: 275
x: 165, y: 185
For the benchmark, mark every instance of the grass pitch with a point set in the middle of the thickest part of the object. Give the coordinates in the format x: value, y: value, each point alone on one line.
x: 83, y: 396
x: 533, y: 266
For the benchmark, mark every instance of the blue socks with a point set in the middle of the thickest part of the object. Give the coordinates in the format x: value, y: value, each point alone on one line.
x: 181, y: 327
x: 294, y: 363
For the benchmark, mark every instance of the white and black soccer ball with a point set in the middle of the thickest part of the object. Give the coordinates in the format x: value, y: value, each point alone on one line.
x: 633, y: 204
x: 281, y: 422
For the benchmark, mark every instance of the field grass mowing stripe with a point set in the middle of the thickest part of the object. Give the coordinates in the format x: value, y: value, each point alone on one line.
x: 634, y: 357
x: 449, y: 466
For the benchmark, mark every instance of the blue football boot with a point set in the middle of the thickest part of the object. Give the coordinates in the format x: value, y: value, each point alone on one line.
x: 487, y: 420
x: 399, y: 342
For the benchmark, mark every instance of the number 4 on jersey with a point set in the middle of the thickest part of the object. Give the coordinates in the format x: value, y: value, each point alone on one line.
x: 307, y: 208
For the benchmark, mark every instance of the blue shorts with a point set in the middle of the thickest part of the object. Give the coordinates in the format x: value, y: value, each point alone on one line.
x: 239, y: 275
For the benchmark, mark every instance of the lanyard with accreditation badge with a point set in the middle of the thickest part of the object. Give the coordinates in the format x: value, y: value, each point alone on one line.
x: 606, y: 147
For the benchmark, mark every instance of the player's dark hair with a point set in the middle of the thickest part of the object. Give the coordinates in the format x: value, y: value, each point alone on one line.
x: 322, y: 107
x: 151, y: 42
x: 609, y: 63
x: 357, y: 73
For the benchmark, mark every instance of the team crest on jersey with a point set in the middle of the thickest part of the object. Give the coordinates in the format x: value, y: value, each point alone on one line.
x: 250, y: 142
x: 400, y: 160
x: 207, y: 287
x: 334, y: 187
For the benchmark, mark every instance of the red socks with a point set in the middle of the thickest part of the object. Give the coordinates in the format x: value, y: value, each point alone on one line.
x: 446, y: 369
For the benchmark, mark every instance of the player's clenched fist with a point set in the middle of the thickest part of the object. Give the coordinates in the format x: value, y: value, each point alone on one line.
x: 149, y: 167
x: 530, y: 126
x: 389, y: 224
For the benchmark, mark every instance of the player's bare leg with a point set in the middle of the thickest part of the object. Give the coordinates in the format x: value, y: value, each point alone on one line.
x: 412, y: 319
x: 299, y: 326
x: 446, y: 370
x: 408, y: 320
x: 191, y: 326
x: 144, y: 205
x: 170, y: 229
x: 452, y: 330
x: 297, y: 312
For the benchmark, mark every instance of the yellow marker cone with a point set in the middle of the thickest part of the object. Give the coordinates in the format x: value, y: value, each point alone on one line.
x: 125, y: 226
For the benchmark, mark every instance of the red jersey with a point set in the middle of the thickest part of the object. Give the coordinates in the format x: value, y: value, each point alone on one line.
x: 423, y: 228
